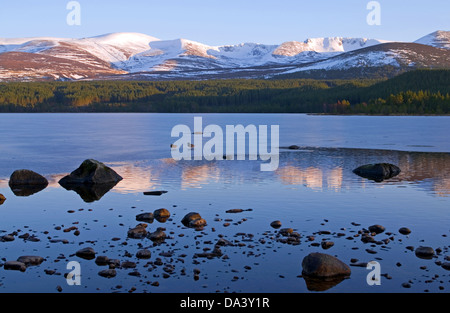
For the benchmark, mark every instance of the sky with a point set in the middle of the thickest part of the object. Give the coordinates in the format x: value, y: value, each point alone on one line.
x: 220, y: 22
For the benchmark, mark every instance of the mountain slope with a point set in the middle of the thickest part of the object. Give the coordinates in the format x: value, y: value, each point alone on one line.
x: 139, y: 56
x: 438, y: 39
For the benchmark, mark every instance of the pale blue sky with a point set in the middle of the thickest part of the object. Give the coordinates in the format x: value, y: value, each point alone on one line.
x: 217, y: 22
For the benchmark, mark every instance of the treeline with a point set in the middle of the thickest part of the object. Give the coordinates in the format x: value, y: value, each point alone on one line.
x: 417, y: 92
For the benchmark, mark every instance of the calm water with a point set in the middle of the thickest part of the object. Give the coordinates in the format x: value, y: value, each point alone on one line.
x: 312, y: 190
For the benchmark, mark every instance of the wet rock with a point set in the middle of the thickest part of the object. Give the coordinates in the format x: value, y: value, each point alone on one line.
x: 86, y: 253
x: 145, y: 217
x: 109, y: 273
x: 91, y: 172
x: 285, y: 231
x: 320, y: 265
x: 143, y: 254
x: 15, y: 266
x: 327, y: 244
x: 234, y: 211
x: 128, y: 264
x: 102, y: 260
x: 293, y: 147
x: 377, y: 229
x: 161, y: 215
x: 30, y: 260
x: 446, y: 266
x: 24, y: 183
x: 2, y: 199
x: 404, y: 231
x: 223, y: 242
x: 91, y: 180
x: 158, y: 235
x: 7, y: 238
x: 138, y: 232
x: 155, y: 193
x: 424, y: 252
x: 275, y: 224
x: 377, y: 172
x: 193, y: 220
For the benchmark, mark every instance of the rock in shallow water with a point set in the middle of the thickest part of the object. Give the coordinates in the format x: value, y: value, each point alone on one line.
x: 86, y: 253
x: 15, y: 266
x: 91, y: 172
x: 24, y: 183
x: 320, y: 265
x: 193, y: 220
x: 377, y: 172
x: 31, y: 260
x: 424, y: 252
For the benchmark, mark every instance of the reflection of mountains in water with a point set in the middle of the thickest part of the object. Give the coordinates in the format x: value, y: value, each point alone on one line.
x: 315, y: 168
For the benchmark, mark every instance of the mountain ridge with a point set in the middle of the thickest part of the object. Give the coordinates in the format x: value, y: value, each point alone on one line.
x: 140, y: 56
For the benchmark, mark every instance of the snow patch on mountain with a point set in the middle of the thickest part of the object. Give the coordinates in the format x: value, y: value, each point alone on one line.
x: 438, y: 39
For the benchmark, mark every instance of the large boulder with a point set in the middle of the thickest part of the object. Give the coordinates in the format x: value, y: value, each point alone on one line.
x: 26, y: 182
x: 321, y: 265
x: 323, y: 271
x: 92, y: 180
x: 377, y: 172
x: 91, y: 172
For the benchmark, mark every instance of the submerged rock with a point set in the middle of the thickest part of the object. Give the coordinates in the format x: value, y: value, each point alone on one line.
x: 24, y: 183
x: 377, y: 172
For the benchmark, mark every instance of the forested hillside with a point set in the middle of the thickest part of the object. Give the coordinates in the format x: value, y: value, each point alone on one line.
x: 416, y: 92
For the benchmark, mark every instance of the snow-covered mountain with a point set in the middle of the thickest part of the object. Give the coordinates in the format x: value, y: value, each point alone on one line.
x: 139, y: 56
x: 438, y: 39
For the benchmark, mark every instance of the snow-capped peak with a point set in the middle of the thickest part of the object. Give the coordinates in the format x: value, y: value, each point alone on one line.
x: 438, y: 39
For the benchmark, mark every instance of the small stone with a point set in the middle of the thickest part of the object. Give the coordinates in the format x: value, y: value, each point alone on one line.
x: 327, y: 244
x: 138, y: 232
x: 285, y: 231
x: 143, y: 254
x: 15, y: 266
x: 31, y: 260
x: 102, y: 260
x: 276, y: 224
x: 86, y: 253
x: 424, y: 252
x: 109, y: 273
x: 145, y: 217
x: 404, y: 231
x: 377, y: 229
